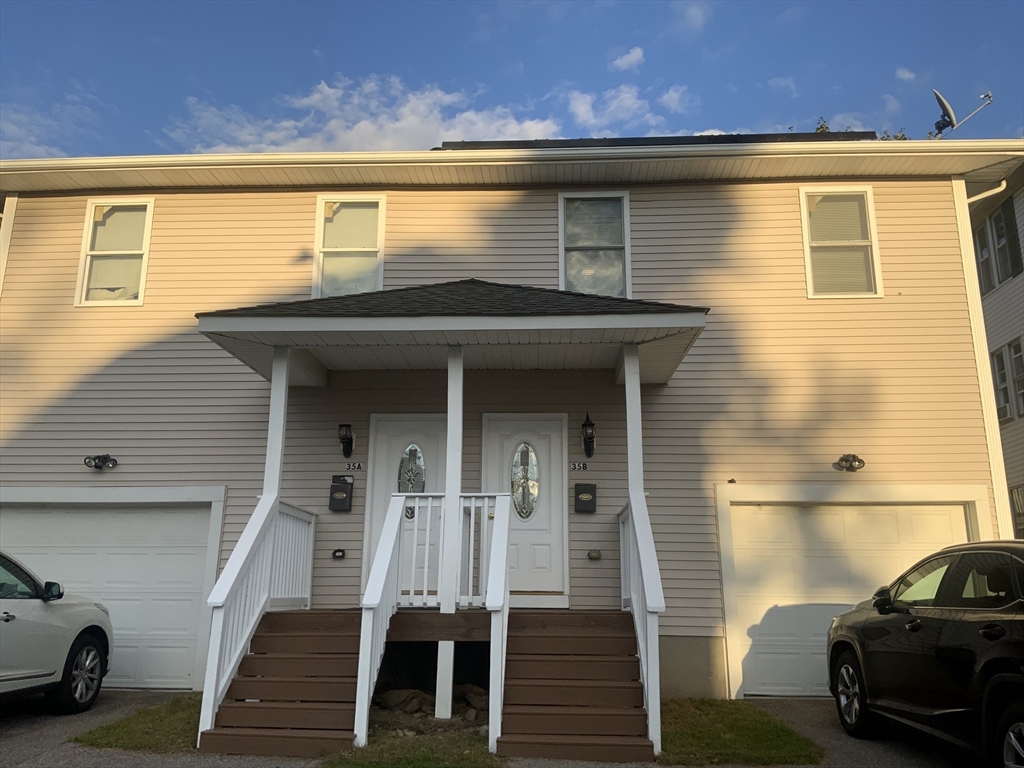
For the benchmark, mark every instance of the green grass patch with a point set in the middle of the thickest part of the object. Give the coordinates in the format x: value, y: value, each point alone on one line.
x: 717, y: 732
x: 167, y: 728
x: 443, y: 749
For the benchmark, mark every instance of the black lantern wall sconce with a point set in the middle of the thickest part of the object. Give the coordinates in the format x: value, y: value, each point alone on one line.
x: 850, y: 462
x: 347, y: 438
x: 104, y: 461
x: 589, y: 434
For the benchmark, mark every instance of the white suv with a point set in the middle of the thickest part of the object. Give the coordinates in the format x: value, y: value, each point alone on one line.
x: 50, y: 642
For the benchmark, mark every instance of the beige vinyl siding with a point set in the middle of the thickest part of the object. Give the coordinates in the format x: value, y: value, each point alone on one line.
x: 777, y: 387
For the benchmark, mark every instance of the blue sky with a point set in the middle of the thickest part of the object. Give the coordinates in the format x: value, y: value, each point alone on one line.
x: 123, y: 78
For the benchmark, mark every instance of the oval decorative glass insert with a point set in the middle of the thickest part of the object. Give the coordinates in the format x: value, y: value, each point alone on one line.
x: 412, y: 474
x: 525, y: 480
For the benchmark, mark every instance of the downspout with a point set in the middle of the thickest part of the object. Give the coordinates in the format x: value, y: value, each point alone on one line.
x: 987, y: 193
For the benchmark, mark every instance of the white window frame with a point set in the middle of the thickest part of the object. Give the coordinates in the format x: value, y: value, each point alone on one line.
x: 805, y: 230
x: 86, y: 254
x: 624, y: 196
x: 318, y: 249
x: 1016, y: 384
x: 986, y: 264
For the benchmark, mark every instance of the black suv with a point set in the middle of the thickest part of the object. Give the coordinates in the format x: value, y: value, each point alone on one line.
x: 942, y: 649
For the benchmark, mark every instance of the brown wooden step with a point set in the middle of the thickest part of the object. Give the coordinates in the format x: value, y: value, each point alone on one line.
x: 342, y: 622
x: 341, y: 689
x: 300, y: 664
x: 280, y: 742
x: 318, y: 715
x: 304, y: 642
x: 575, y: 693
x: 615, y: 749
x: 608, y: 721
x: 572, y: 645
x: 553, y: 667
x: 540, y: 621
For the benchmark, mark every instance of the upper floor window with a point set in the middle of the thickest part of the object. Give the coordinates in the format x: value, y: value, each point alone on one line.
x: 115, y: 252
x: 594, y: 243
x: 1008, y: 379
x: 349, y: 245
x: 840, y: 242
x: 997, y: 248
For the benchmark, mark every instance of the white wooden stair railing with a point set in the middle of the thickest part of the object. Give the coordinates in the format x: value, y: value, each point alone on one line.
x: 643, y: 596
x: 270, y: 567
x: 497, y: 603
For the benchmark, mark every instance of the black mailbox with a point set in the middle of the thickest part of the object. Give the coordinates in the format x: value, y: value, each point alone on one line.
x: 341, y: 494
x: 586, y: 497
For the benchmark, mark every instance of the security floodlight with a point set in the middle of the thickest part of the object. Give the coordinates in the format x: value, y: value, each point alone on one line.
x: 948, y: 119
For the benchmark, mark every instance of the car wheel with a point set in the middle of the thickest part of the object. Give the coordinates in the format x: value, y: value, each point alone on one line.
x: 851, y: 697
x: 1009, y: 741
x: 83, y: 676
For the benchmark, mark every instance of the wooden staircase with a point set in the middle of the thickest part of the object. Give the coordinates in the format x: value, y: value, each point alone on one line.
x: 295, y: 691
x: 572, y: 688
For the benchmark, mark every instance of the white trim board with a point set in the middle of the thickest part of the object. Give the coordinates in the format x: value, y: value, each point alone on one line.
x: 6, y: 229
x: 1000, y: 487
x: 974, y: 498
x: 214, y: 495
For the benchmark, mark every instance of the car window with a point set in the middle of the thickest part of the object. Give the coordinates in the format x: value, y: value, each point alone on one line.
x: 15, y: 584
x: 980, y: 580
x: 920, y: 586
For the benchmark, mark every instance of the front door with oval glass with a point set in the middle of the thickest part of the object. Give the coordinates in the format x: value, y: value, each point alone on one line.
x: 525, y: 455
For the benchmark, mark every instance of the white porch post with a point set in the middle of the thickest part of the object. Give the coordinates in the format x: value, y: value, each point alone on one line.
x: 277, y: 422
x: 451, y: 532
x: 634, y: 427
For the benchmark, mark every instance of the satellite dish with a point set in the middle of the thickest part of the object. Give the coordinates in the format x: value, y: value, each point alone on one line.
x: 948, y: 119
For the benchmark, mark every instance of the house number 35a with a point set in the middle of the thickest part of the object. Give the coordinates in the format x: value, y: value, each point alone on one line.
x: 578, y: 466
x: 354, y: 466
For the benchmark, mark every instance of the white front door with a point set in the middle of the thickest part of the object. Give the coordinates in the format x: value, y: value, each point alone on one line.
x: 525, y: 455
x: 391, y: 437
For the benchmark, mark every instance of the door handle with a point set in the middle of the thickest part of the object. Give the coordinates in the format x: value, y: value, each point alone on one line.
x: 8, y: 617
x: 914, y: 625
x: 992, y: 632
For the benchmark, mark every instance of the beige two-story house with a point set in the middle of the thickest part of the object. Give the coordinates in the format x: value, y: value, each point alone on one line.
x: 636, y: 418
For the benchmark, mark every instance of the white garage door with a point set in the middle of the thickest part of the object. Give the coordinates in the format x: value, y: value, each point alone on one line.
x: 145, y: 563
x: 797, y: 567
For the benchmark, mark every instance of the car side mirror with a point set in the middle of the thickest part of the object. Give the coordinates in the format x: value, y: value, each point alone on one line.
x: 52, y: 591
x: 882, y: 600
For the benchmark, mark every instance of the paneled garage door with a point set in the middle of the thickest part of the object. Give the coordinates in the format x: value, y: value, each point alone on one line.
x: 798, y: 566
x: 145, y: 563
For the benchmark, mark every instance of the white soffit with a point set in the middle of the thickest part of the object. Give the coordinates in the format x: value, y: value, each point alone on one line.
x: 979, y: 161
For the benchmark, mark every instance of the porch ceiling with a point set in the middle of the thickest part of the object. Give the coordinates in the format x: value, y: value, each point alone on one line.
x: 499, y: 327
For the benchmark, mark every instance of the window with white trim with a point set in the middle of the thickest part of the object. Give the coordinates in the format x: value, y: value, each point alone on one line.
x: 840, y: 242
x: 1008, y: 379
x: 594, y: 243
x: 997, y: 248
x: 349, y: 245
x: 115, y: 252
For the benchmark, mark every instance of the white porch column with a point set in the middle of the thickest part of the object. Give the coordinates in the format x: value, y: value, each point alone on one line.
x: 277, y: 421
x: 451, y: 532
x: 634, y: 427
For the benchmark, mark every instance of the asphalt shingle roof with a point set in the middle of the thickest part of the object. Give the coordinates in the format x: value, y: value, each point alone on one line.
x: 460, y: 298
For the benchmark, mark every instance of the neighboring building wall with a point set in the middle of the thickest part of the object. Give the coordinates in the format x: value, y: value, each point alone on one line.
x: 777, y: 387
x: 1004, y: 322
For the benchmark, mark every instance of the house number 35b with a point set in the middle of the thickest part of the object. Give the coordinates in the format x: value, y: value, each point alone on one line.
x: 578, y: 466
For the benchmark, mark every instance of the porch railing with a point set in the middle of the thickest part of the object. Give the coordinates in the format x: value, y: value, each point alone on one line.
x: 270, y: 567
x: 497, y: 603
x: 642, y: 595
x: 478, y: 518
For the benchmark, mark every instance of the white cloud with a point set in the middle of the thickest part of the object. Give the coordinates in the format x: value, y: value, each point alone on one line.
x: 710, y: 132
x: 784, y: 84
x: 849, y: 121
x: 892, y: 104
x: 690, y: 17
x: 678, y: 99
x: 27, y: 131
x: 618, y: 105
x: 630, y: 60
x: 378, y: 113
x: 732, y: 87
x: 902, y: 73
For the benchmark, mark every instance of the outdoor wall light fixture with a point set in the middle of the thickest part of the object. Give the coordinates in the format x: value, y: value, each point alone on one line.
x: 850, y: 462
x: 105, y: 461
x: 589, y: 433
x: 347, y: 438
